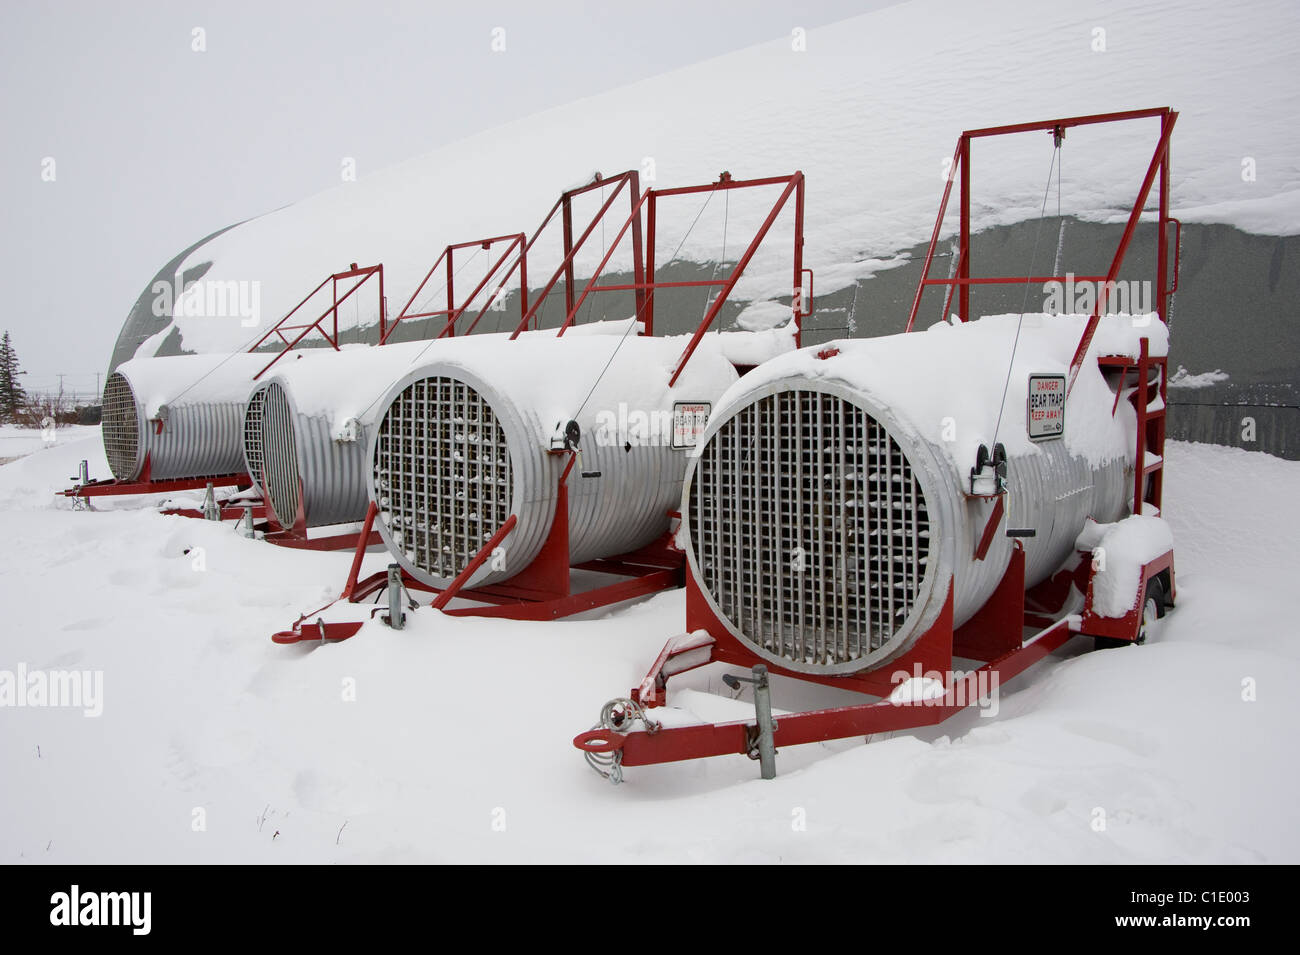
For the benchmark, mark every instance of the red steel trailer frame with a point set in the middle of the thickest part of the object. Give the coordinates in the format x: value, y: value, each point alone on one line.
x: 110, y: 487
x: 994, y: 637
x: 544, y: 590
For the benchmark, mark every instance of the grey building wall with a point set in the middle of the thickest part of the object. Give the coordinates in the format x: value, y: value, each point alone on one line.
x: 141, y: 322
x: 1236, y: 310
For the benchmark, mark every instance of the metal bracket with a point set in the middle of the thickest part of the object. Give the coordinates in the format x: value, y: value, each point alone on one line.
x: 211, y: 512
x: 79, y: 501
x: 396, y: 617
x: 761, y: 738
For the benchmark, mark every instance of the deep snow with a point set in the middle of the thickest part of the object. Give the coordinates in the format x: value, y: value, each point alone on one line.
x: 457, y: 746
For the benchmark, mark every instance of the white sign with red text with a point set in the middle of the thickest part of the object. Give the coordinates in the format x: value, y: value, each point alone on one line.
x: 1046, y: 410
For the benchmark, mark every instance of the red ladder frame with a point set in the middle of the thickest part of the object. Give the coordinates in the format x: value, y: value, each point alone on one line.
x: 318, y: 324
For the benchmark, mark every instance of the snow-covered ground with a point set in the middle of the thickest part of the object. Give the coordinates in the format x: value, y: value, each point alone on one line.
x: 215, y: 745
x: 17, y: 442
x: 450, y: 740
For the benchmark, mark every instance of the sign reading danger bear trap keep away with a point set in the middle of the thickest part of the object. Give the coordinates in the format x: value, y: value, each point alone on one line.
x: 689, y: 421
x: 1046, y: 412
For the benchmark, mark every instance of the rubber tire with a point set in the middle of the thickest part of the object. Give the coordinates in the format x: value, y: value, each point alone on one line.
x: 1155, y: 592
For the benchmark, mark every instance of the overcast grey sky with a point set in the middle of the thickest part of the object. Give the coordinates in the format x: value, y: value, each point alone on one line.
x: 156, y: 145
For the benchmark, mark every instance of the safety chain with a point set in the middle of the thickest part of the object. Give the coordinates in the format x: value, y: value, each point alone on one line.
x: 618, y: 715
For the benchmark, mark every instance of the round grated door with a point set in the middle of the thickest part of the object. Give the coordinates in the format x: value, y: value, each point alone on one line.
x: 121, y: 427
x: 442, y: 474
x: 809, y: 528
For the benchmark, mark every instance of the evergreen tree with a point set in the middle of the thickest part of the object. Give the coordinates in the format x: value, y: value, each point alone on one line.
x: 12, y: 397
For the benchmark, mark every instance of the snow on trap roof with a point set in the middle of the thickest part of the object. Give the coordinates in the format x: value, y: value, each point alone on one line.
x: 351, y: 382
x: 956, y: 373
x: 195, y: 378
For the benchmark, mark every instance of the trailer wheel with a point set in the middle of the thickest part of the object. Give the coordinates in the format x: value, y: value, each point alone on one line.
x: 1153, y: 608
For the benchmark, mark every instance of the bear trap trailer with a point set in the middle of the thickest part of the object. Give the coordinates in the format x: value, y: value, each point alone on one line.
x: 868, y: 633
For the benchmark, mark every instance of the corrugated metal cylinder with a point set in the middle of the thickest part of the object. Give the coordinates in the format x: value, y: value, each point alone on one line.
x: 824, y: 526
x: 183, y: 413
x: 307, y: 426
x: 300, y: 461
x: 462, y: 445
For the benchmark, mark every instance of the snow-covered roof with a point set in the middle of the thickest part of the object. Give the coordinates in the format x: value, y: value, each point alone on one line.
x: 870, y: 111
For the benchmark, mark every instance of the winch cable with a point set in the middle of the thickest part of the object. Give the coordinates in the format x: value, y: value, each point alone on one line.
x: 384, y: 390
x: 356, y: 318
x: 850, y: 324
x: 604, y: 248
x: 429, y: 299
x: 501, y: 290
x: 954, y: 256
x: 1038, y: 234
x: 636, y: 319
x: 1060, y: 235
x: 722, y: 259
x: 504, y: 293
x: 238, y: 351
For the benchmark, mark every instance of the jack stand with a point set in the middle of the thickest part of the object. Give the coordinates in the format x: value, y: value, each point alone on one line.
x: 210, y: 510
x: 246, y: 524
x: 761, y: 744
x: 396, y: 614
x: 80, y: 502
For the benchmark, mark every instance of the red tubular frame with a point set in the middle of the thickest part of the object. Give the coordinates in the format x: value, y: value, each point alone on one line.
x: 541, y: 592
x: 962, y: 167
x: 993, y: 635
x: 516, y: 246
x: 814, y: 726
x: 280, y: 327
x: 111, y: 487
x: 644, y: 283
x: 145, y: 484
x: 794, y: 184
x: 646, y: 288
x: 516, y: 243
x: 629, y: 180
